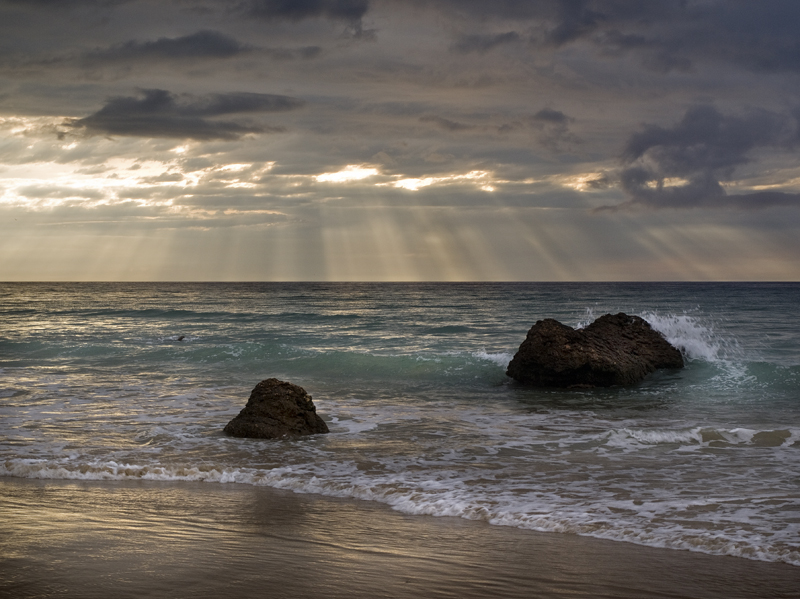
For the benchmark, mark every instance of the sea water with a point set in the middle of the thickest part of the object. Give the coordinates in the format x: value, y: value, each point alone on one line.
x: 136, y: 381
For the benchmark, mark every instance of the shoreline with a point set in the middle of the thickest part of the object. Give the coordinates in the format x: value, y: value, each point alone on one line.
x: 88, y: 539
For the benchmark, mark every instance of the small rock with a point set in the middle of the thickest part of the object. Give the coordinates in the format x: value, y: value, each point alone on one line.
x: 277, y: 409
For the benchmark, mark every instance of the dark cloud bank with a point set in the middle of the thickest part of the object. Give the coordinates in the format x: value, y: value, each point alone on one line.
x: 269, y: 9
x: 665, y: 35
x: 349, y: 10
x: 159, y: 113
x: 203, y: 44
x: 702, y: 151
x: 465, y: 44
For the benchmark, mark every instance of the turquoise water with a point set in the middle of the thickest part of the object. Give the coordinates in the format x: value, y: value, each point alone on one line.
x: 96, y: 383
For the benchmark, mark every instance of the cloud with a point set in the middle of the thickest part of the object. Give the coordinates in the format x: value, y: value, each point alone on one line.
x: 558, y: 22
x: 574, y: 20
x: 707, y: 139
x: 686, y: 165
x: 466, y: 44
x: 666, y: 35
x: 303, y: 53
x: 548, y: 115
x: 553, y: 127
x: 219, y: 104
x: 350, y: 11
x: 446, y: 124
x: 54, y: 191
x: 203, y: 44
x: 674, y: 36
x: 159, y: 113
x: 346, y: 10
x: 63, y: 3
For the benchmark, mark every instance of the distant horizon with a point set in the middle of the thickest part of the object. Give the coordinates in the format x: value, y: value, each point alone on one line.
x: 631, y: 282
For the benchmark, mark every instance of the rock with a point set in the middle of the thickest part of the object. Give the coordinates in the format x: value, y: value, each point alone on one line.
x: 277, y: 409
x: 613, y: 350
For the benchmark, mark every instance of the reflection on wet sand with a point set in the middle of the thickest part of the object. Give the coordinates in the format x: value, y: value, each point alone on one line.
x: 138, y: 539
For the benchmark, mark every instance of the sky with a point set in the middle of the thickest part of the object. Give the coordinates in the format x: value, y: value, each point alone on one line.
x: 389, y: 140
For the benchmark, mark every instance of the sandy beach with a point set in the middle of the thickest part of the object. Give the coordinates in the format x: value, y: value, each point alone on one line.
x: 153, y: 539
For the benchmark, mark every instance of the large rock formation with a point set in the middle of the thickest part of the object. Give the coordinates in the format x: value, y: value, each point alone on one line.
x: 277, y: 409
x: 613, y: 350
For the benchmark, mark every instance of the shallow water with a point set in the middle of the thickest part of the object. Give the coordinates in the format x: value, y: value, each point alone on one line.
x: 96, y: 385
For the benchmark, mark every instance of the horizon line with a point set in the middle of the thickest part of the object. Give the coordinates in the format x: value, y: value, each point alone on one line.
x: 422, y: 282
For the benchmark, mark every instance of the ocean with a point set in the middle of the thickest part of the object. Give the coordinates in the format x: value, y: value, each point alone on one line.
x: 135, y: 382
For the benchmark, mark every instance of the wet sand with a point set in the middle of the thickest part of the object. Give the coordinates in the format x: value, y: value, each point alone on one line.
x: 148, y: 539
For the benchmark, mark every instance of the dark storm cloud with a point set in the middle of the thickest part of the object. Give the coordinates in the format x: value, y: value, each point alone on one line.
x: 446, y: 124
x: 203, y: 44
x: 653, y: 30
x: 574, y: 19
x: 295, y: 10
x: 670, y: 36
x: 347, y: 10
x: 466, y: 44
x: 548, y: 115
x: 707, y: 139
x: 553, y: 127
x: 666, y: 35
x: 63, y: 3
x: 701, y: 152
x: 761, y: 37
x: 219, y: 104
x: 304, y: 53
x: 558, y: 22
x: 158, y: 113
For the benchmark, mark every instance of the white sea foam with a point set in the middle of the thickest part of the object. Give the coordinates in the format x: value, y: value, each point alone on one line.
x: 352, y: 426
x: 631, y: 438
x: 611, y: 519
x: 588, y: 318
x: 500, y: 358
x: 695, y: 337
x: 697, y: 340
